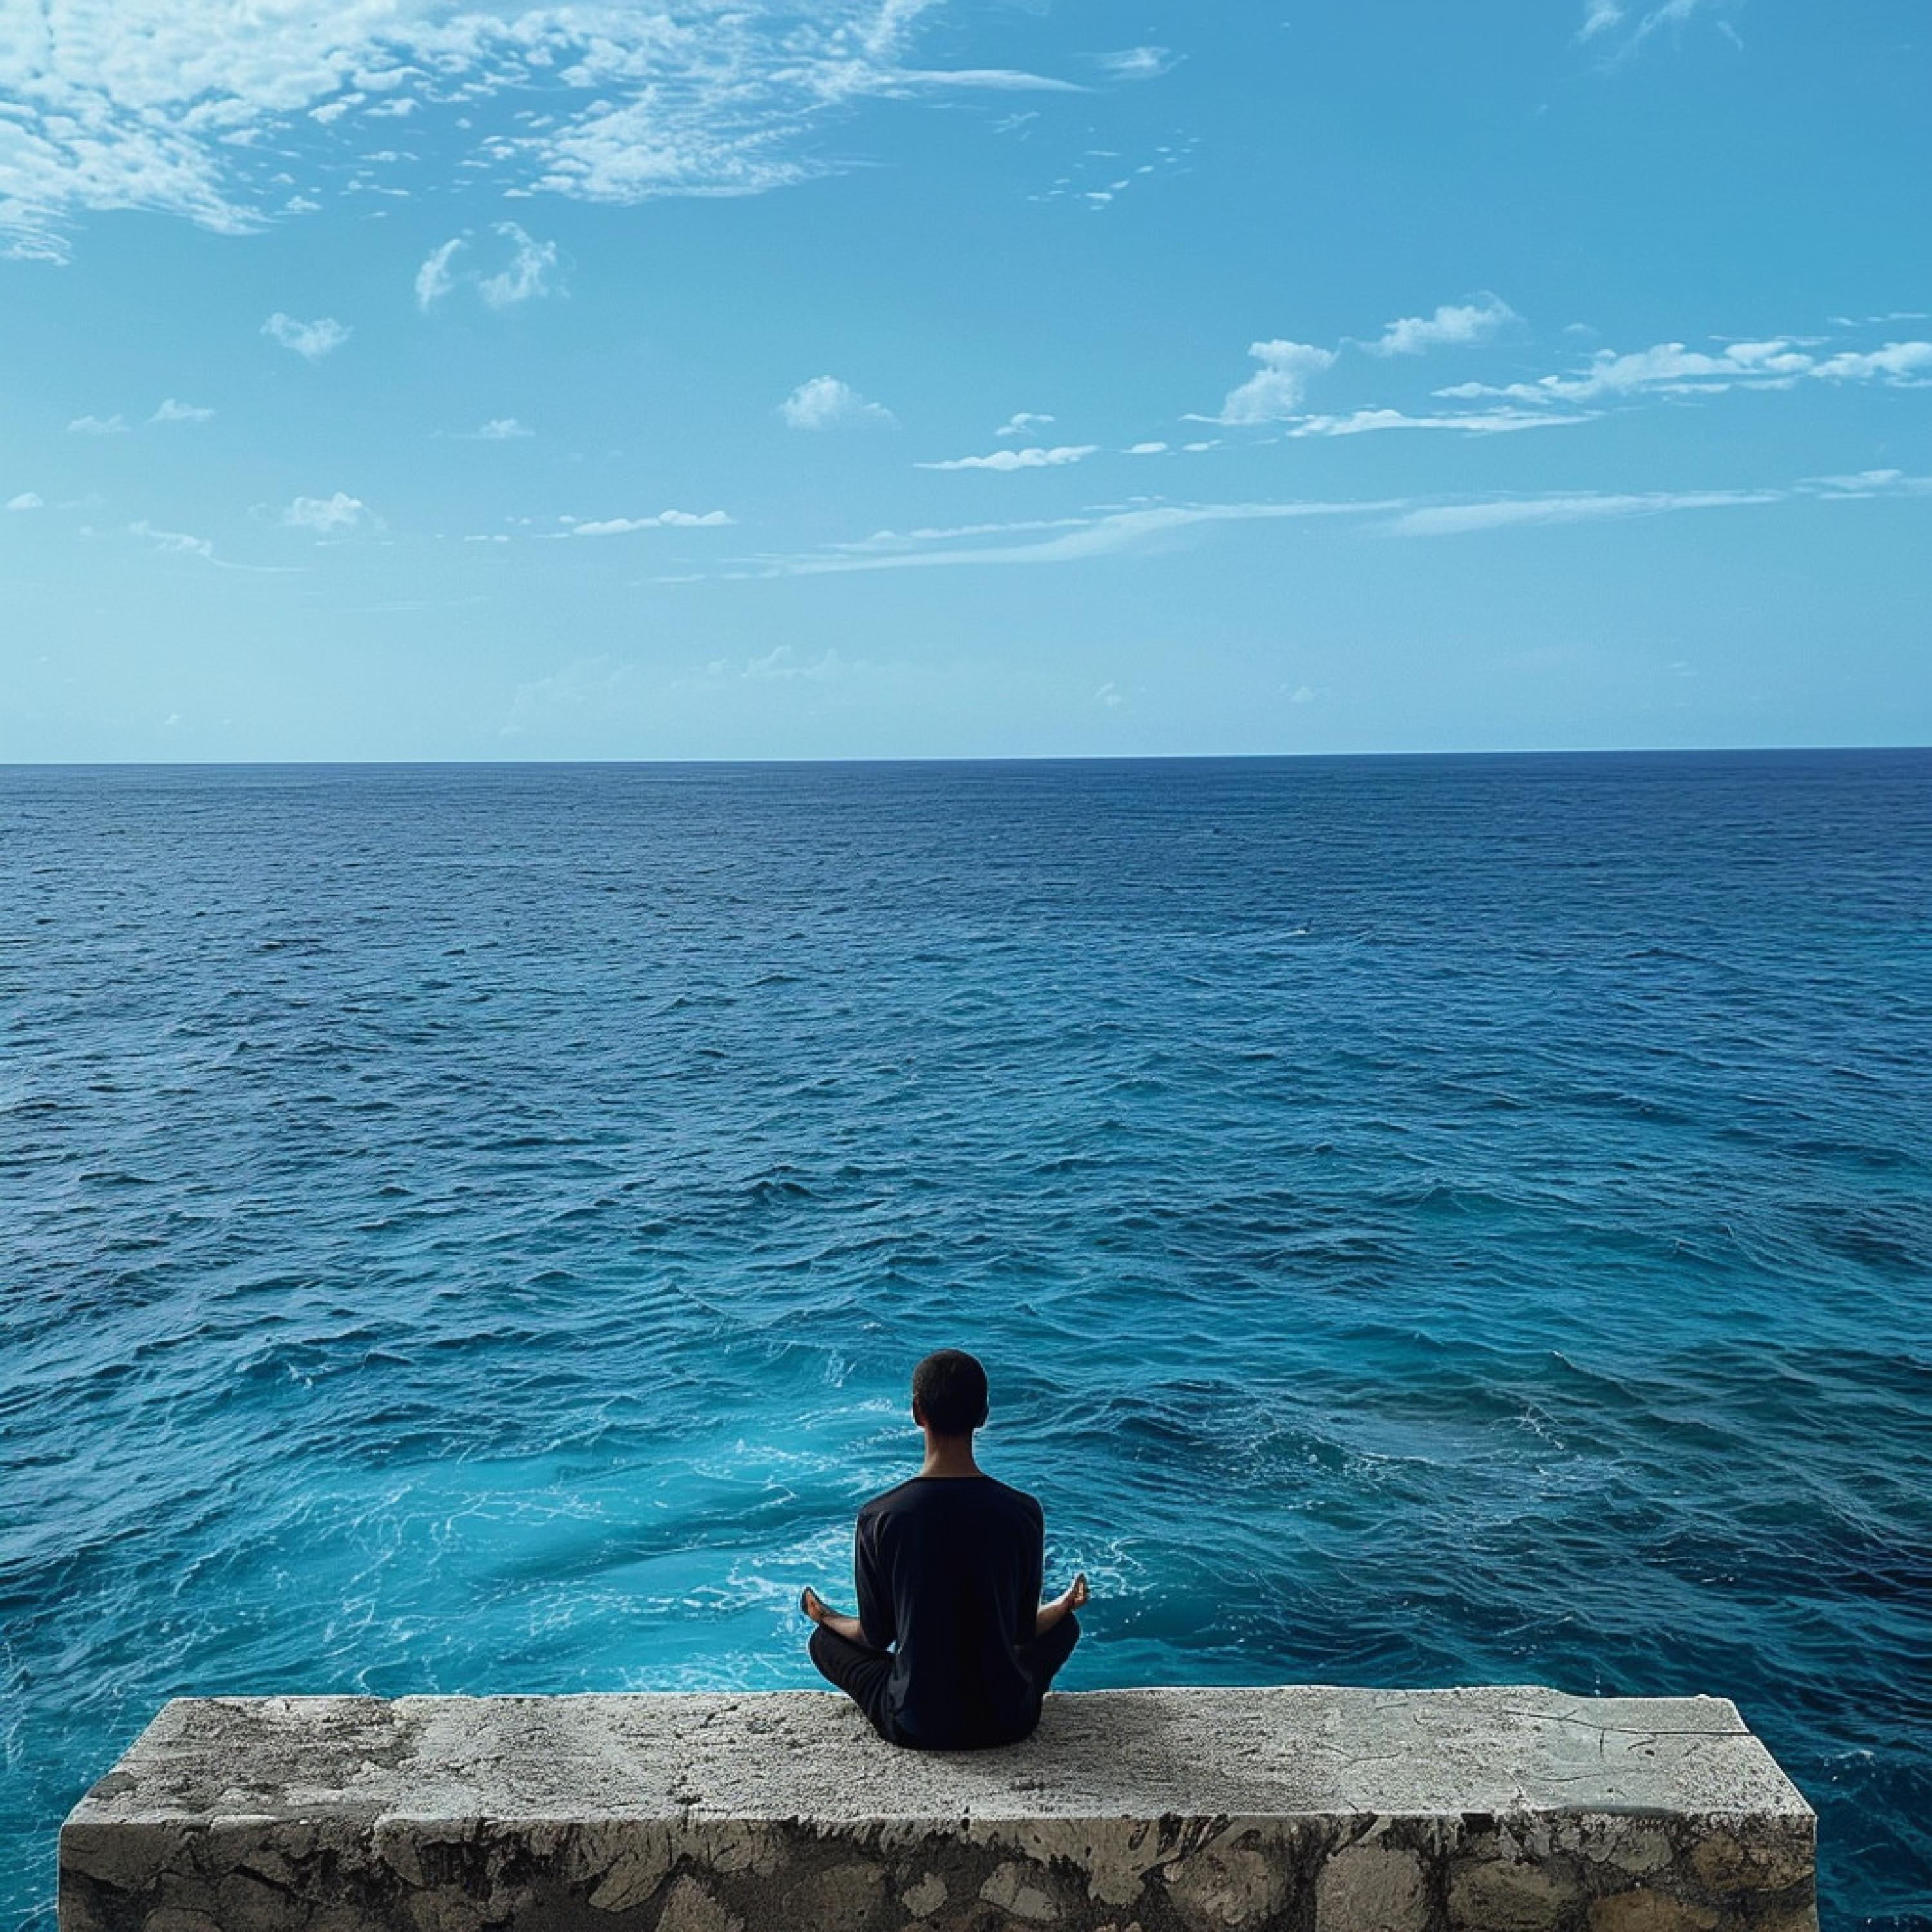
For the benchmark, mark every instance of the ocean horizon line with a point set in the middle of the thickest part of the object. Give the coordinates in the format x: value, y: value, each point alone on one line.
x: 955, y: 761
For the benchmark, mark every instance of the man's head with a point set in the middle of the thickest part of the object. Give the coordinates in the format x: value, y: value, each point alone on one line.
x: 949, y: 1393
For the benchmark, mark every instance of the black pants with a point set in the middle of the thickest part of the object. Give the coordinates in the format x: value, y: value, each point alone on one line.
x: 862, y: 1674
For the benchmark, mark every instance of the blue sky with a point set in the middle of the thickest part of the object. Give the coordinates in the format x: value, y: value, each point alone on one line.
x: 857, y: 378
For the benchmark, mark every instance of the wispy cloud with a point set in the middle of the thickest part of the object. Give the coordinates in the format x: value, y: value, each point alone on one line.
x: 500, y: 429
x: 529, y: 271
x: 1032, y: 458
x: 1102, y: 174
x: 171, y: 411
x: 434, y: 279
x: 825, y: 403
x: 530, y: 274
x: 665, y: 520
x: 1135, y: 63
x: 1452, y: 325
x: 1273, y: 394
x: 1499, y: 513
x: 311, y: 340
x: 1473, y: 422
x: 28, y: 499
x: 1023, y: 422
x: 114, y: 425
x: 327, y: 516
x: 1615, y: 23
x: 1868, y: 483
x: 1100, y: 534
x: 172, y: 543
x: 1670, y: 368
x: 1075, y: 539
x: 186, y: 108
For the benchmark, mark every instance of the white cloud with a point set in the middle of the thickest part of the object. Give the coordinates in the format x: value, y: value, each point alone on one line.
x: 28, y: 499
x: 114, y: 425
x: 433, y: 279
x: 312, y: 341
x: 1135, y: 63
x: 1670, y: 368
x: 1452, y: 325
x: 173, y: 411
x: 1303, y: 694
x: 1274, y: 392
x: 500, y: 429
x: 1033, y: 457
x: 172, y: 543
x: 1599, y: 17
x: 1458, y: 519
x: 1868, y: 483
x: 527, y: 276
x: 1023, y: 422
x: 187, y: 108
x: 681, y: 519
x: 1897, y: 363
x: 325, y: 515
x: 1476, y: 422
x: 1147, y: 449
x: 825, y: 403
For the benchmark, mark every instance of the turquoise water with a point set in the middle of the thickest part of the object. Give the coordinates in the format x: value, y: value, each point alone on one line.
x: 1426, y: 1220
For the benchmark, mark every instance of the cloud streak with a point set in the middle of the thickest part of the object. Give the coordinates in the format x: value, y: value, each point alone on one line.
x: 665, y: 520
x: 1032, y: 458
x: 1443, y: 519
x: 434, y: 279
x: 1102, y: 534
x: 1671, y: 368
x: 1076, y: 539
x: 1474, y: 422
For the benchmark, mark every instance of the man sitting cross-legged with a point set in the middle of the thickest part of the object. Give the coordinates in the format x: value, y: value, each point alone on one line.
x: 952, y: 1648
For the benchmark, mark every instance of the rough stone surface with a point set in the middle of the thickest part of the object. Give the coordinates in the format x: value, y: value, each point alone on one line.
x: 1367, y: 1887
x: 1300, y: 1808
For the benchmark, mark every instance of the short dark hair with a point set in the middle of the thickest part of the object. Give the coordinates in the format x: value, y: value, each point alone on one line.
x: 950, y: 1390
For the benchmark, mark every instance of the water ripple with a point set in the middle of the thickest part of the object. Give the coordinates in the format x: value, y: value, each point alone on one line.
x: 1429, y: 1221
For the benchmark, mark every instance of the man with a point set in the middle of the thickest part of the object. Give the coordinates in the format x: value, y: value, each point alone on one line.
x: 952, y: 1648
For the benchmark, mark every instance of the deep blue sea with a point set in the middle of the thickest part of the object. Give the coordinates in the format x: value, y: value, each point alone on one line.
x: 1427, y: 1221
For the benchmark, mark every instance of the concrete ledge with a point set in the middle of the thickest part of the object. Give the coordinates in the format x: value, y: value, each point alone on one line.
x: 1509, y: 1810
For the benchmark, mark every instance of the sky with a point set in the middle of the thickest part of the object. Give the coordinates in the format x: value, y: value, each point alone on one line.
x: 728, y: 379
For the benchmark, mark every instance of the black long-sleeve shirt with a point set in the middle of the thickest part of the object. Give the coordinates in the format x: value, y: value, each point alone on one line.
x: 949, y: 1571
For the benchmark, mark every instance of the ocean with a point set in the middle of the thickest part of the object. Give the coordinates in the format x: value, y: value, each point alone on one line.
x: 1426, y: 1221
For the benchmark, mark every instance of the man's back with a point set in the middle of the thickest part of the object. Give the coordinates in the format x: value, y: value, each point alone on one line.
x: 948, y: 1571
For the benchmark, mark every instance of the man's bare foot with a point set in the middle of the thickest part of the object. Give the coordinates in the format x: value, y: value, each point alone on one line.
x: 811, y: 1604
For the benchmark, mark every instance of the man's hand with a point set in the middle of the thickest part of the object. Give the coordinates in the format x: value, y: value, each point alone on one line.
x: 1073, y: 1597
x: 814, y: 1606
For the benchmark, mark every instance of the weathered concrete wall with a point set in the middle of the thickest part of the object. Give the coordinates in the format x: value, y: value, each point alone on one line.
x: 1513, y: 1809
